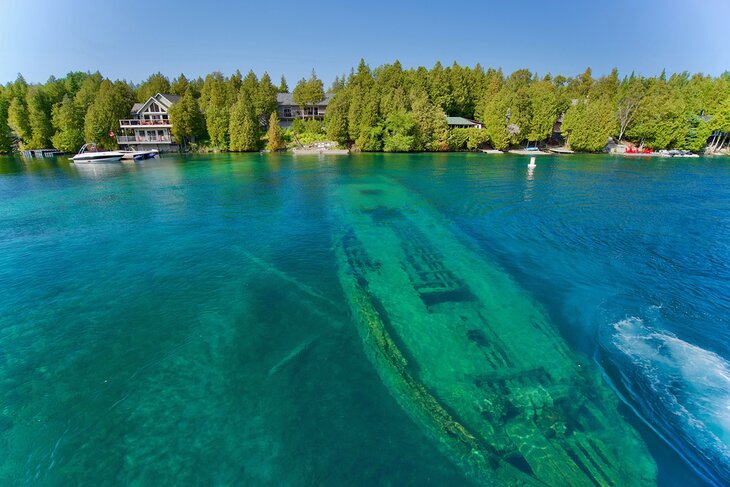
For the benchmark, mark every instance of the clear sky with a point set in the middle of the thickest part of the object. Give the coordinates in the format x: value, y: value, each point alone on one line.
x: 131, y: 39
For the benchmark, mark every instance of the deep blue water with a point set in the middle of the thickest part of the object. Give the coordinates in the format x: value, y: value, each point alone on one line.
x: 180, y: 321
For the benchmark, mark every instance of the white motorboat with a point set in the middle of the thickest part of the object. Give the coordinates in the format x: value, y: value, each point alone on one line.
x: 89, y: 154
x: 139, y: 155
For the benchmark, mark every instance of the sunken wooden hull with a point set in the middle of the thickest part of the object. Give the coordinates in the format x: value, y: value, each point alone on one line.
x: 470, y: 357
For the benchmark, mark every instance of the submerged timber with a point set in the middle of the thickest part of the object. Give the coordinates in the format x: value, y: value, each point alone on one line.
x: 470, y: 357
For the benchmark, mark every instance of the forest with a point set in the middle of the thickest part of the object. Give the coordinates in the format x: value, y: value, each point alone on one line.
x: 387, y: 108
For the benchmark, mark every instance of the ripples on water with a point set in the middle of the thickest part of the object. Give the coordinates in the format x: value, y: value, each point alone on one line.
x: 180, y: 320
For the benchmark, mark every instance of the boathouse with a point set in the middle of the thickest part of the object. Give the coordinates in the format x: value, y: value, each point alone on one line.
x: 149, y: 126
x: 462, y: 123
x: 289, y: 110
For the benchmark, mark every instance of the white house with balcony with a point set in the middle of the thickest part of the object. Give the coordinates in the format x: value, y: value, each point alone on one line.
x: 149, y: 125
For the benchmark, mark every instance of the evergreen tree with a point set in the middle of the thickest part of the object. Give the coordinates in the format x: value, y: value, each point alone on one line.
x: 588, y: 124
x: 6, y: 142
x: 274, y: 140
x: 112, y: 103
x: 544, y: 110
x: 87, y: 91
x: 187, y: 120
x: 68, y: 120
x: 214, y: 101
x: 18, y: 120
x: 431, y: 131
x: 439, y: 88
x: 336, y: 117
x: 179, y: 85
x: 156, y: 83
x: 244, y: 125
x: 495, y: 116
x: 265, y: 101
x: 309, y: 92
x: 283, y: 87
x: 40, y: 119
x: 398, y: 133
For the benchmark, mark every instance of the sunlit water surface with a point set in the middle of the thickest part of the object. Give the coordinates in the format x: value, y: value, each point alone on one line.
x: 180, y: 321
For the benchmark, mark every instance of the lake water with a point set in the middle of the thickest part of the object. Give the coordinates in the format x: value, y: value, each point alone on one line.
x: 188, y: 320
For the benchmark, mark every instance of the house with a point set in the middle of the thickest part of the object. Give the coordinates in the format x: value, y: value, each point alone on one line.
x: 462, y: 123
x: 289, y: 110
x: 149, y: 125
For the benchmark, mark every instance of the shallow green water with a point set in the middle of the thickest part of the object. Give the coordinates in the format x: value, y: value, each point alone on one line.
x: 182, y: 321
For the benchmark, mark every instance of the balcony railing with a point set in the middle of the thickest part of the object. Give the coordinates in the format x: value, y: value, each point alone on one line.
x: 138, y: 122
x: 131, y: 139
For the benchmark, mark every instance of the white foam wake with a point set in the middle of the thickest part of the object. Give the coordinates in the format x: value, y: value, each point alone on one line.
x: 681, y: 389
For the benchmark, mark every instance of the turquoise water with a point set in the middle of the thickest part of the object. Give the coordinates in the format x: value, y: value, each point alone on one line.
x: 181, y: 321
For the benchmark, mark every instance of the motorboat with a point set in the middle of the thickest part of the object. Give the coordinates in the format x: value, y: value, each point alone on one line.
x: 89, y: 154
x: 139, y: 155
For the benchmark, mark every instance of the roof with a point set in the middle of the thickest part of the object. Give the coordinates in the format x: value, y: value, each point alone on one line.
x: 164, y: 98
x: 288, y: 99
x: 459, y: 121
x: 173, y: 98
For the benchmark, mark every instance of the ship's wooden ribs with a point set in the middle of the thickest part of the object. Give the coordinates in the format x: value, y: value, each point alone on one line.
x: 434, y: 283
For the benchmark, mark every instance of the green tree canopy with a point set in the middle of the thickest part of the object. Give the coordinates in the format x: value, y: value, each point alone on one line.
x: 188, y: 123
x: 156, y: 83
x: 68, y: 121
x: 309, y: 92
x: 274, y: 141
x: 244, y: 125
x: 112, y: 103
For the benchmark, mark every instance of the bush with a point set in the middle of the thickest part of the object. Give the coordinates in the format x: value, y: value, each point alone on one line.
x: 457, y: 139
x: 471, y: 138
x: 308, y: 126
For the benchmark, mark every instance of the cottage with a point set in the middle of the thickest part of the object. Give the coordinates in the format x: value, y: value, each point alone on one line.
x: 462, y: 123
x: 149, y: 125
x: 289, y: 110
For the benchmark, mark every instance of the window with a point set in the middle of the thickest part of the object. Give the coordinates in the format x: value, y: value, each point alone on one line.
x: 287, y: 112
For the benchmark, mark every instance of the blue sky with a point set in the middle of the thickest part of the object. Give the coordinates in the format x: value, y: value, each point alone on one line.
x: 132, y: 39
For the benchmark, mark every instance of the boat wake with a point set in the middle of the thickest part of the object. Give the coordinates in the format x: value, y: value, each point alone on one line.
x: 681, y: 390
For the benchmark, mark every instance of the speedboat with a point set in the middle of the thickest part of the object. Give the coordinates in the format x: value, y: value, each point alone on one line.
x: 139, y: 155
x: 89, y: 154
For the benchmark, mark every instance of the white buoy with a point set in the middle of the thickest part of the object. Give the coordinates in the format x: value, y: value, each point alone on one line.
x: 532, y: 162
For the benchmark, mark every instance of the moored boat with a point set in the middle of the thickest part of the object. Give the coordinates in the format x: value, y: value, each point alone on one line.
x: 469, y: 356
x: 88, y: 154
x: 139, y: 155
